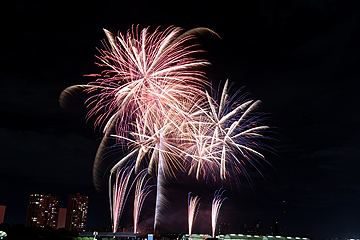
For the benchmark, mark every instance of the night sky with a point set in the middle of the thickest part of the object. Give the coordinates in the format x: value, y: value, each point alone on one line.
x: 301, y: 58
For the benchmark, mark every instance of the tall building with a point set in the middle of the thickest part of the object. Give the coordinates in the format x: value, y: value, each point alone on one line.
x: 2, y: 213
x: 76, y: 212
x: 42, y: 211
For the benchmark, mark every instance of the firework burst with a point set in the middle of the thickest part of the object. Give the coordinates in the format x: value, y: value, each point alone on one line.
x: 225, y: 136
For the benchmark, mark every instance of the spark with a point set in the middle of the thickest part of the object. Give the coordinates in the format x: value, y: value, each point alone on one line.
x: 193, y: 208
x: 215, y: 208
x: 142, y: 189
x: 118, y: 194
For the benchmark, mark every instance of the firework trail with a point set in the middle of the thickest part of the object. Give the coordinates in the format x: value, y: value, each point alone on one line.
x: 141, y: 192
x: 193, y: 208
x: 215, y: 208
x: 161, y: 148
x: 118, y: 193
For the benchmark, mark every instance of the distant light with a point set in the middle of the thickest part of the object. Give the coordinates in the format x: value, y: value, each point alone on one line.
x: 2, y: 234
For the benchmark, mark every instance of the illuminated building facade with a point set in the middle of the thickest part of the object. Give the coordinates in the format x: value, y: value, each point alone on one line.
x: 42, y: 211
x: 76, y: 214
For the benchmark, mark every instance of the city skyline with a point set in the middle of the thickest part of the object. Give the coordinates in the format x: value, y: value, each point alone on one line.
x: 44, y: 211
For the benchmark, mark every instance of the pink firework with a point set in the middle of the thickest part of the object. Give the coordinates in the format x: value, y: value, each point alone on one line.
x: 139, y: 68
x: 146, y: 75
x: 141, y: 192
x: 193, y: 208
x: 118, y: 193
x: 215, y: 208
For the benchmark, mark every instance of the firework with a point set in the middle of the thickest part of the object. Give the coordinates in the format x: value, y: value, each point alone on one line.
x: 215, y: 208
x: 152, y: 83
x: 118, y: 193
x: 141, y: 192
x: 159, y: 145
x: 225, y: 137
x: 193, y: 208
x: 145, y: 74
x: 142, y: 69
x: 150, y: 98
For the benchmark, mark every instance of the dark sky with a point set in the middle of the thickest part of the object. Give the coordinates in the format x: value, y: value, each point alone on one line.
x: 301, y: 58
